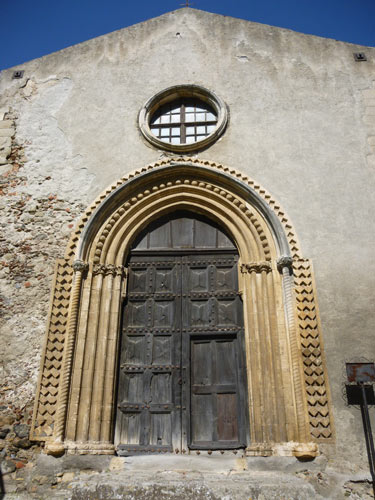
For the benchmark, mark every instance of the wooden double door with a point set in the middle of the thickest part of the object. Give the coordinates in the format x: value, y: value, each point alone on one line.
x: 181, y: 375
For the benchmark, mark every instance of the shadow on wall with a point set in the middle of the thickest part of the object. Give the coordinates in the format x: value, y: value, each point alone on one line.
x: 2, y: 489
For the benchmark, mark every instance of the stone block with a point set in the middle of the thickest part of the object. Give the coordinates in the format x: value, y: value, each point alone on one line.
x: 3, y: 432
x: 5, y: 142
x: 3, y: 160
x: 22, y: 430
x: 7, y: 466
x: 3, y: 112
x: 6, y: 132
x: 117, y: 463
x: 368, y: 93
x: 23, y: 443
x: 67, y: 477
x: 370, y: 110
x: 371, y: 161
x: 5, y: 152
x: 369, y: 120
x: 6, y: 123
x: 6, y: 420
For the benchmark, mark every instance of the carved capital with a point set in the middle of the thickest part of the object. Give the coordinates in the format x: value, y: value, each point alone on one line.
x: 256, y: 267
x: 80, y: 265
x: 105, y: 270
x: 284, y: 261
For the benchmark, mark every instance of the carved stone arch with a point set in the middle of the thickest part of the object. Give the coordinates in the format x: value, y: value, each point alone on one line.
x: 285, y: 369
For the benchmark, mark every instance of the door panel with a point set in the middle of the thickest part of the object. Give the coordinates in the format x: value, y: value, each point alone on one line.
x: 215, y: 395
x: 180, y: 376
x: 149, y: 394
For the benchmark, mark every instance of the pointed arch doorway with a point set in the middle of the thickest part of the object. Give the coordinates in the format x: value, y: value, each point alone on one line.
x: 182, y: 382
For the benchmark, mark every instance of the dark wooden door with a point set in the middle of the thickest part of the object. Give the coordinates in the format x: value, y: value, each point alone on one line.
x: 181, y: 379
x: 212, y: 331
x: 149, y: 394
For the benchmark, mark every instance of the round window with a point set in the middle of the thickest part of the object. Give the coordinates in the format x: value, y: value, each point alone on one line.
x: 183, y: 118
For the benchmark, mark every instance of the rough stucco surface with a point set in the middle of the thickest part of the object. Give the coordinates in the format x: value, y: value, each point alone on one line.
x: 302, y: 123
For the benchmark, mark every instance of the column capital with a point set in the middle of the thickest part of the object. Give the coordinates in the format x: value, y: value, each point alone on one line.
x: 256, y: 267
x: 284, y: 261
x: 80, y: 265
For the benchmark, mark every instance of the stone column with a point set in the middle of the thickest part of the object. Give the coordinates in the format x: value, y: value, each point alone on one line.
x: 57, y: 446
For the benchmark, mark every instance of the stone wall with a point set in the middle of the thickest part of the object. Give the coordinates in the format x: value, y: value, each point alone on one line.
x: 35, y: 225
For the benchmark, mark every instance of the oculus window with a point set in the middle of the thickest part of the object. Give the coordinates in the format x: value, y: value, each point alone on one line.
x: 184, y: 121
x: 183, y: 118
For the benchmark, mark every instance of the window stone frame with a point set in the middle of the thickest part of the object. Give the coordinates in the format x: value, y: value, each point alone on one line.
x: 177, y: 92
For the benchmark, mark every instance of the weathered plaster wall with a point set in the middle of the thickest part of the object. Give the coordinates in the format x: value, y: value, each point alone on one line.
x: 302, y: 123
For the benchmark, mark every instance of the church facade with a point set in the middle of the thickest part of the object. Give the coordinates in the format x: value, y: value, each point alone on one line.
x: 188, y: 205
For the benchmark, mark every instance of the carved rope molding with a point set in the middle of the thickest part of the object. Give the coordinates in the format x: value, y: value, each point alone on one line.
x: 79, y: 268
x: 280, y: 213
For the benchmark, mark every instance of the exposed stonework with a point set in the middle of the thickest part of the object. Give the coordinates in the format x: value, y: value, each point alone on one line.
x: 35, y: 222
x: 7, y: 132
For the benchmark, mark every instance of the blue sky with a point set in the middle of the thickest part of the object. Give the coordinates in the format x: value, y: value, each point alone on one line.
x: 33, y: 28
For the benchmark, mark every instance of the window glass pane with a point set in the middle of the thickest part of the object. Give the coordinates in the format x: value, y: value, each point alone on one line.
x: 200, y: 107
x: 195, y: 111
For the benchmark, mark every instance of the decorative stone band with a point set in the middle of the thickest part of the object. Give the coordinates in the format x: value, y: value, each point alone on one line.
x: 256, y: 267
x: 204, y: 165
x: 316, y: 384
x: 109, y: 269
x: 52, y: 357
